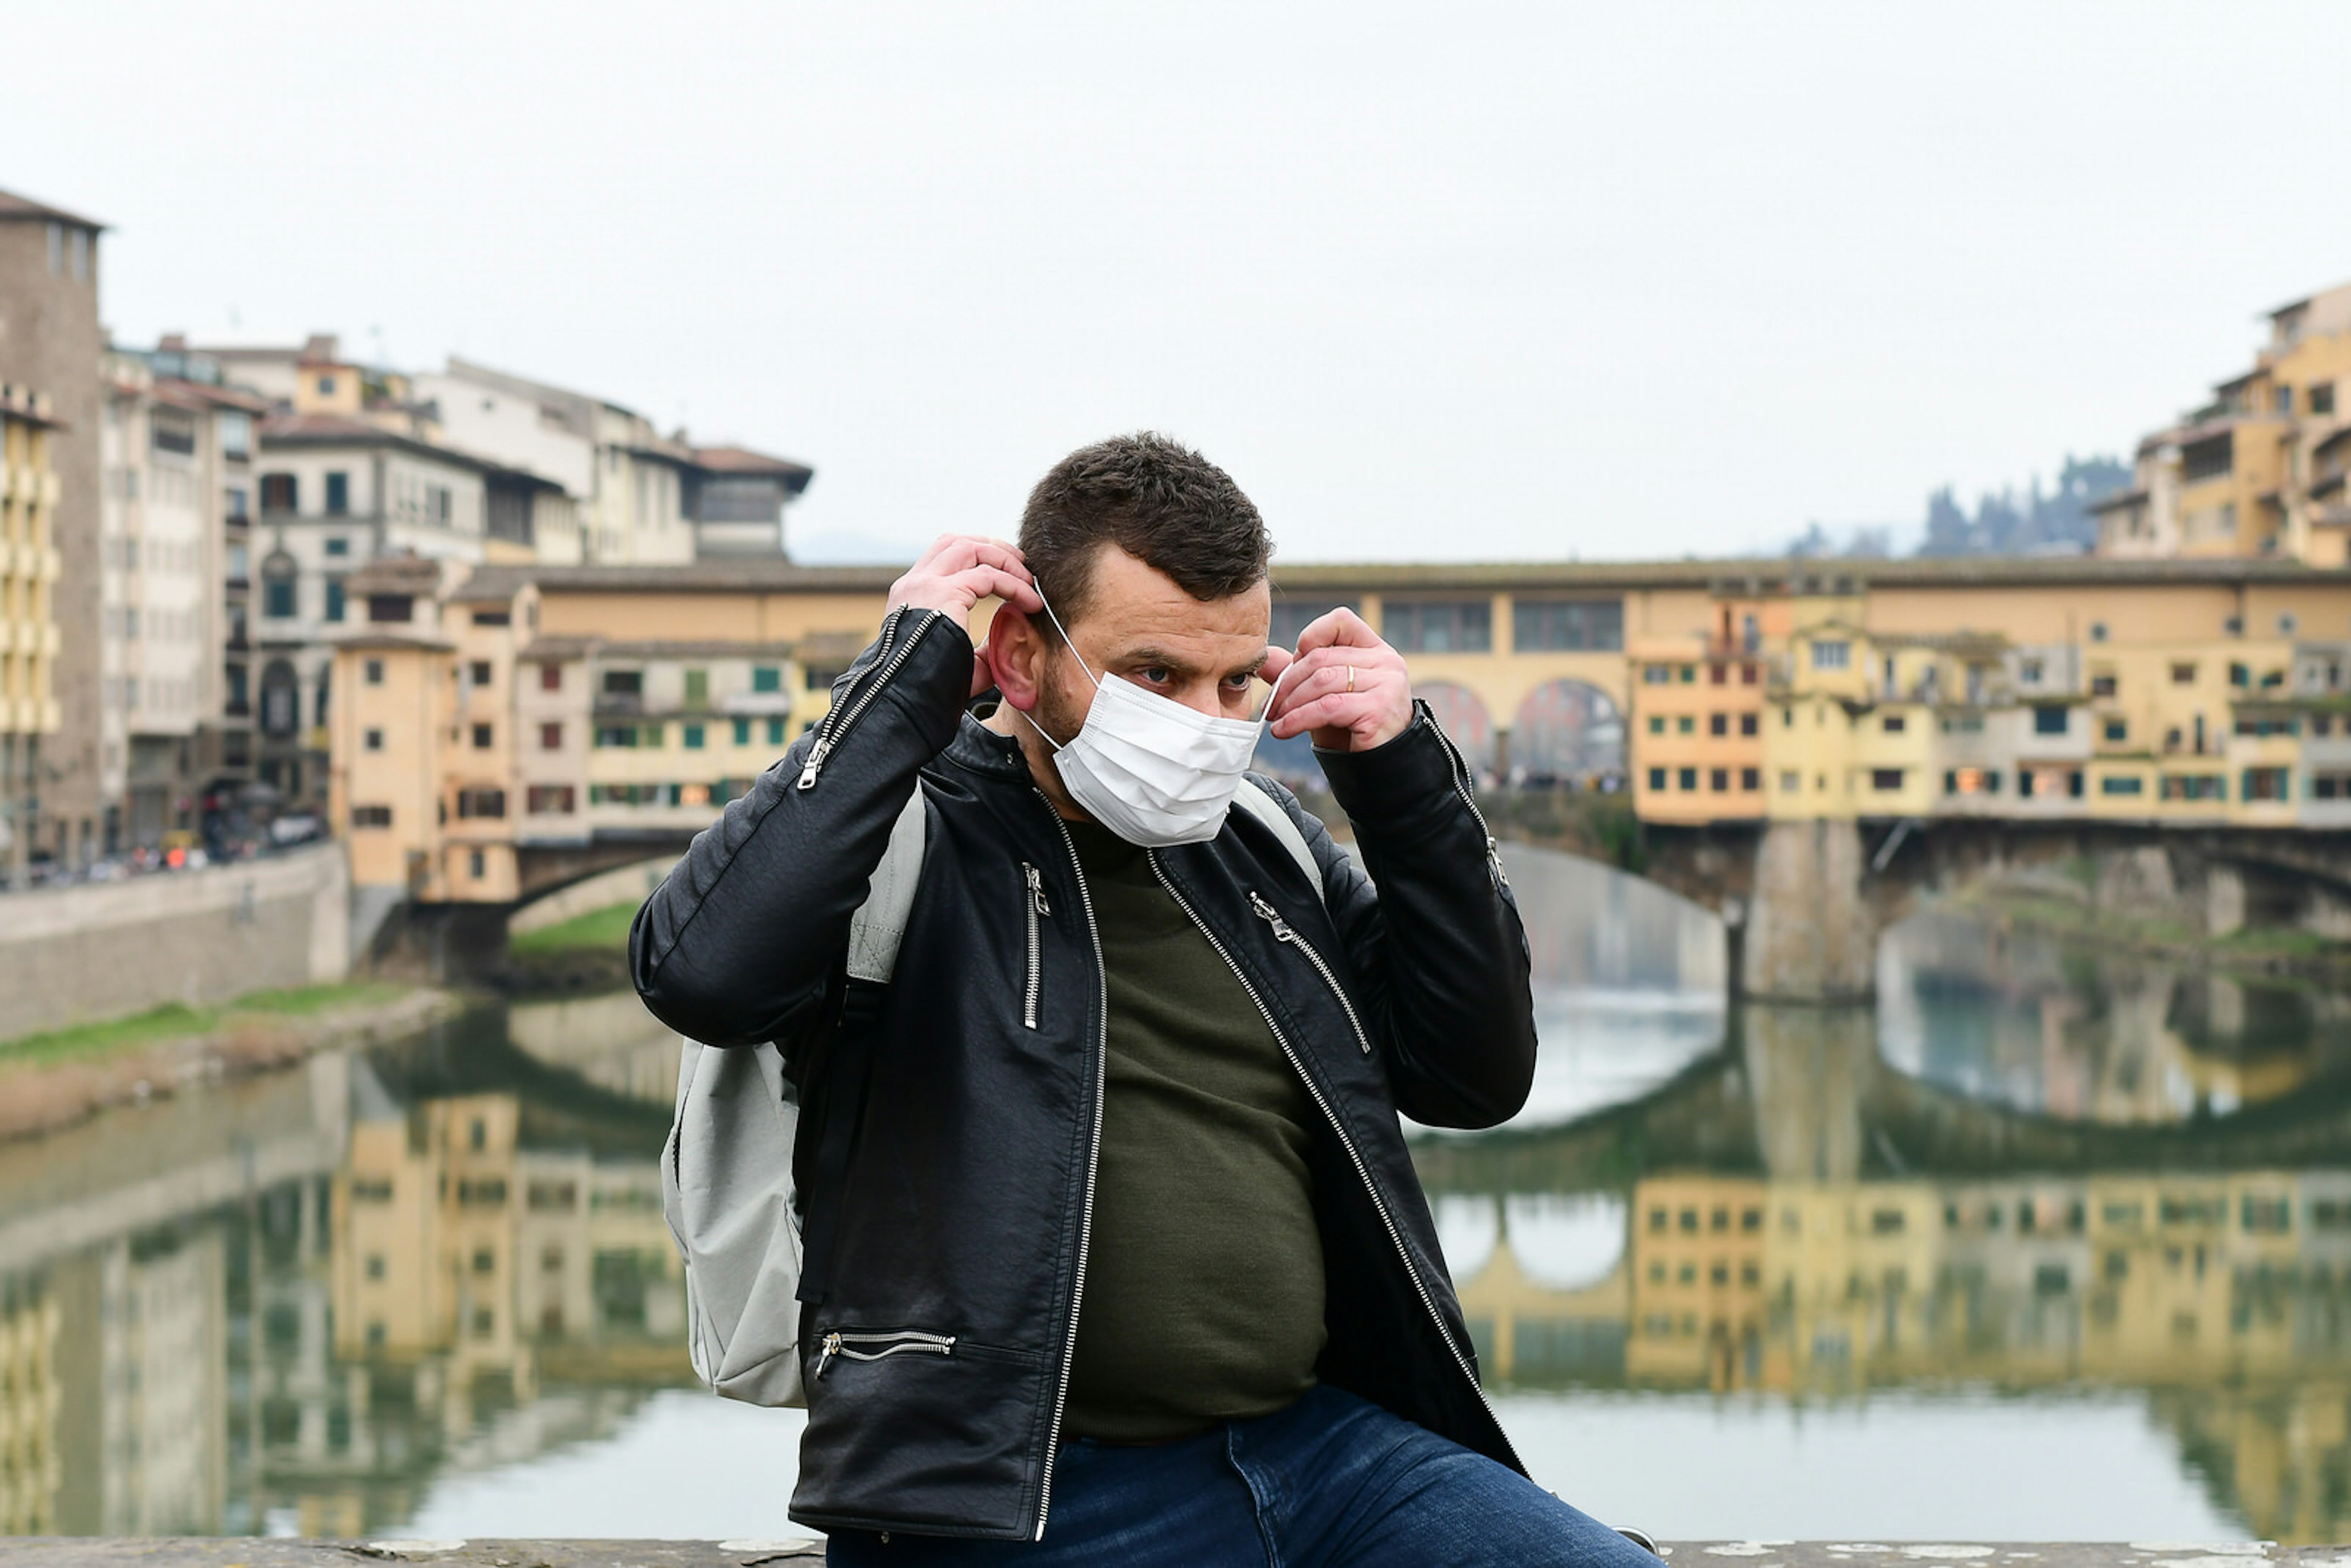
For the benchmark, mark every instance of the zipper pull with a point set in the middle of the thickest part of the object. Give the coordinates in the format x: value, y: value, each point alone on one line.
x: 816, y: 757
x: 1273, y: 917
x: 1494, y: 859
x: 831, y: 1348
x: 1036, y: 890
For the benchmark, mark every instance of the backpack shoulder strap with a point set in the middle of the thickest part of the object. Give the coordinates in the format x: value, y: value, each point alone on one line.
x: 880, y: 923
x: 1257, y: 800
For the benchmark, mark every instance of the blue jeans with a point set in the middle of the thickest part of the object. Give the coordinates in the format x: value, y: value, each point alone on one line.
x: 1331, y: 1479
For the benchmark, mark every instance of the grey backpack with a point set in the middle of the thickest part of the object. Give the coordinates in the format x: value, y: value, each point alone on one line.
x: 727, y: 1168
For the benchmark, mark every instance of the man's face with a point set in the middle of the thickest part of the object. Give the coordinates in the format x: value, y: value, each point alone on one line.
x: 1139, y: 627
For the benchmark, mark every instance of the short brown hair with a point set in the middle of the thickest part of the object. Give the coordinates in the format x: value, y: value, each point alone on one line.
x: 1155, y: 499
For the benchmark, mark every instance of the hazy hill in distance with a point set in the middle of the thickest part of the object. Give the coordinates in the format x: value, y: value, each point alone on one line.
x: 2003, y: 523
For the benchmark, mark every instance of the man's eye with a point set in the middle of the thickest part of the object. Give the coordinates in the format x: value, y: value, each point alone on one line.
x: 1238, y: 682
x: 1157, y: 675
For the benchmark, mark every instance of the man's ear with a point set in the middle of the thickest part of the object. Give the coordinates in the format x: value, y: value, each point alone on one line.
x: 1016, y: 652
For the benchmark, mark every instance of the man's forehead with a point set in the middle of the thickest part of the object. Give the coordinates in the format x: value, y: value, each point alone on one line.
x: 1132, y: 605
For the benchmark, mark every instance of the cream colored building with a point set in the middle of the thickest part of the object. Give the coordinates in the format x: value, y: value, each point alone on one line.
x: 29, y: 566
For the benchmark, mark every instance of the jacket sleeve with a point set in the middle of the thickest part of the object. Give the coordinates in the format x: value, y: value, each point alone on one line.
x: 1438, y: 954
x: 736, y: 945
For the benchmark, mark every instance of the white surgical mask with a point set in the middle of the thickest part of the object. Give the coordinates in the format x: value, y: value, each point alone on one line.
x: 1150, y: 769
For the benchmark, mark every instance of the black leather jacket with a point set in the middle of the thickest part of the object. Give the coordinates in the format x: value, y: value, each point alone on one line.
x: 947, y: 1145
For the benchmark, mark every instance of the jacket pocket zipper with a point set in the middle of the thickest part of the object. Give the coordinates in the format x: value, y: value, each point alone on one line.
x: 1039, y: 910
x: 857, y: 1346
x: 1285, y: 932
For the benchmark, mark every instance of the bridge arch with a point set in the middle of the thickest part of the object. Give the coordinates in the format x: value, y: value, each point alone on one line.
x: 1462, y: 714
x: 1567, y: 731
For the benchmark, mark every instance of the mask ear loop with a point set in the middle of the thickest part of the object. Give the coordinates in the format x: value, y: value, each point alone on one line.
x: 1264, y: 713
x: 1072, y: 647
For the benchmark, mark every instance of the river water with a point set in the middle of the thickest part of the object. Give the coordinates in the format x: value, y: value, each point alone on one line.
x: 2048, y: 1245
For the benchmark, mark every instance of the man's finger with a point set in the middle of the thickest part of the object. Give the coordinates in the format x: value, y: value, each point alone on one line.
x: 1017, y: 592
x: 1277, y: 660
x: 1340, y: 710
x: 1342, y: 626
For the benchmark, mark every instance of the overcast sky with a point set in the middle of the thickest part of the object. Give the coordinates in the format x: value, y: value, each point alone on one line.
x: 1445, y: 282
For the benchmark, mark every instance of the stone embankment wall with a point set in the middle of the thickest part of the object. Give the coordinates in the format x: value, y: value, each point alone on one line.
x: 73, y: 953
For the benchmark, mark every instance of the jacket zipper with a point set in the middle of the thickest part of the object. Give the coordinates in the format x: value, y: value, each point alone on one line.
x: 1285, y: 932
x: 838, y: 720
x: 1038, y: 911
x: 1094, y: 1161
x: 1461, y: 772
x: 1345, y: 1142
x: 843, y: 1342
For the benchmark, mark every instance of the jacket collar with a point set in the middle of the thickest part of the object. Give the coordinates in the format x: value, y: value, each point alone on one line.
x: 984, y: 751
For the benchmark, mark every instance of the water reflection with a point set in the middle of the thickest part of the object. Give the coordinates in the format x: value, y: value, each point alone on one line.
x: 2023, y: 1021
x: 430, y: 1285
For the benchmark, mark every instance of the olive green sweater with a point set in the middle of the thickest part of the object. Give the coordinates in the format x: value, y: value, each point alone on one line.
x: 1204, y: 1285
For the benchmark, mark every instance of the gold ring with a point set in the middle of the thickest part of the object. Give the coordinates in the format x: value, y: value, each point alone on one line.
x: 1350, y: 677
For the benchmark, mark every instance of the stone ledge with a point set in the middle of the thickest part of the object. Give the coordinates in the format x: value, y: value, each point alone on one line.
x: 248, y: 1552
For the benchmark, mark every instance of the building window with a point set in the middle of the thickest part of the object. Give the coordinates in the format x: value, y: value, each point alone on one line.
x: 2097, y: 631
x: 693, y: 737
x: 547, y: 799
x: 371, y: 816
x: 1717, y: 724
x: 610, y: 735
x: 390, y: 607
x: 280, y: 698
x: 339, y: 494
x: 493, y: 617
x: 1657, y: 675
x: 2028, y: 669
x: 1895, y: 723
x: 485, y: 803
x: 742, y: 731
x: 2194, y: 786
x: 2208, y: 459
x: 767, y: 678
x: 1656, y: 779
x: 775, y: 732
x: 481, y: 672
x: 1657, y: 724
x: 372, y: 672
x: 2267, y: 784
x: 1593, y: 625
x: 550, y: 737
x: 336, y: 544
x: 2322, y: 397
x: 2183, y: 674
x: 1718, y: 674
x: 1686, y: 724
x: 1689, y: 779
x: 624, y: 682
x: 2121, y: 784
x: 1720, y: 780
x: 279, y: 492
x: 1885, y: 778
x: 334, y: 599
x: 1689, y: 675
x: 1750, y: 779
x: 277, y: 596
x: 326, y: 386
x: 2287, y: 624
x: 482, y: 738
x: 375, y: 740
x: 477, y: 866
x: 2117, y: 730
x: 1791, y: 781
x: 1439, y: 626
x: 1832, y: 655
x: 550, y: 677
x: 1750, y: 724
x: 2102, y: 685
x: 697, y: 688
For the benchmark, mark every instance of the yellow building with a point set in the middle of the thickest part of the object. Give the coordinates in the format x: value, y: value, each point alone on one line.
x: 29, y: 637
x: 1698, y: 1285
x: 2243, y: 475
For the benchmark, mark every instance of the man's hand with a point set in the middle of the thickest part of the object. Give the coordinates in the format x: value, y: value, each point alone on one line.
x: 1345, y: 685
x: 956, y: 572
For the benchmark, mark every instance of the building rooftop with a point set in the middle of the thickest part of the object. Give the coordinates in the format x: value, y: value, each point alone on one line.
x: 575, y: 647
x: 292, y: 431
x: 17, y: 208
x: 743, y: 460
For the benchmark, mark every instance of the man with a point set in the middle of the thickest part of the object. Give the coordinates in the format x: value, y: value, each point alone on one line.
x: 1114, y: 1253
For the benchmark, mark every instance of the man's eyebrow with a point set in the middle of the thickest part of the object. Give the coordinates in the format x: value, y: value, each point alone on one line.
x: 1149, y: 657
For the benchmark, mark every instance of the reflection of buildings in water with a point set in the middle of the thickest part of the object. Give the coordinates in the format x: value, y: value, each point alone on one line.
x: 2228, y: 1295
x: 608, y: 1041
x: 32, y: 1471
x: 2032, y: 1023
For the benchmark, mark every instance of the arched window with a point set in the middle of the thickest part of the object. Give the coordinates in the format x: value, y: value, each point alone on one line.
x: 1461, y: 716
x: 1568, y: 732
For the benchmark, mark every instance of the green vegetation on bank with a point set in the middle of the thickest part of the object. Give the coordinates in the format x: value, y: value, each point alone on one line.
x: 174, y: 1020
x: 606, y: 928
x: 2044, y: 911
